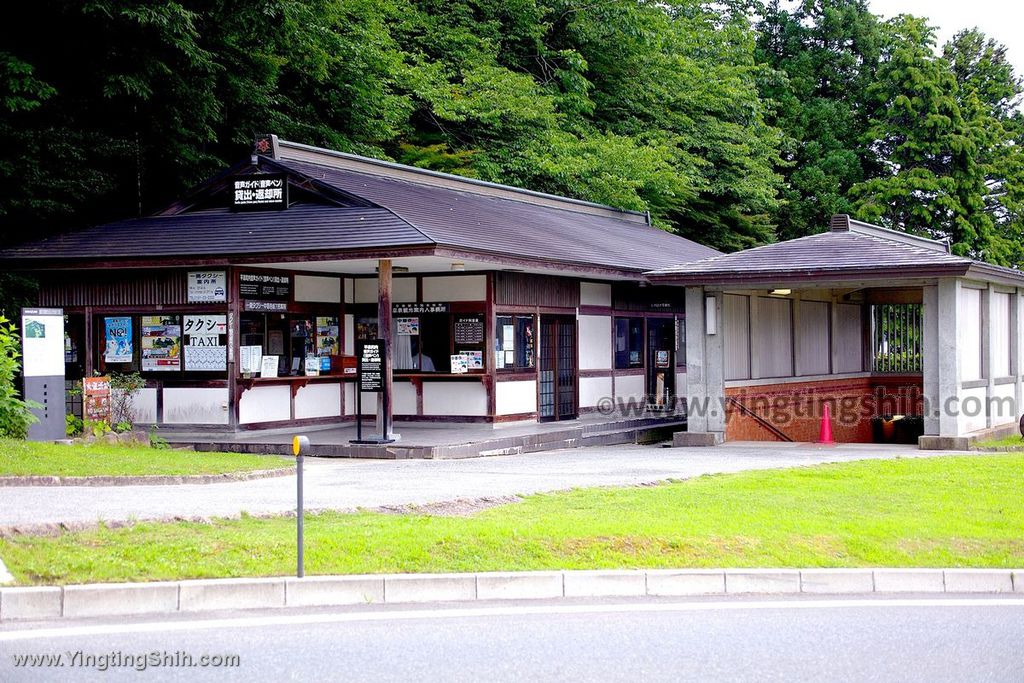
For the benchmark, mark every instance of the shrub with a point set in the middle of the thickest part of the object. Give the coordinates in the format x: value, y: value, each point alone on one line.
x: 15, y: 414
x: 123, y: 389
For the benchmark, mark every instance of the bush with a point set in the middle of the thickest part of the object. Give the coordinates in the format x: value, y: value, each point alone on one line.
x: 123, y: 389
x: 15, y: 414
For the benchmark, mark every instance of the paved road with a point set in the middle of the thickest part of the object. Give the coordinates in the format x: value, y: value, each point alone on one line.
x: 753, y: 639
x: 341, y: 484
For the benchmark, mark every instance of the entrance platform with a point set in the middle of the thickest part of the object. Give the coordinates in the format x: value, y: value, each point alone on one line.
x: 438, y: 440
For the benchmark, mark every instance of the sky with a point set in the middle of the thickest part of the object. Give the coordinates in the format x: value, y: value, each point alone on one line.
x: 998, y: 19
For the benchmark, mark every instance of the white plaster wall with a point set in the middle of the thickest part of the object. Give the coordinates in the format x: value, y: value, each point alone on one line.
x: 736, y: 328
x: 317, y: 288
x: 593, y: 389
x: 455, y: 398
x: 849, y: 339
x: 595, y: 342
x: 999, y: 330
x: 455, y: 288
x: 318, y: 400
x: 403, y: 289
x: 969, y: 333
x: 404, y: 398
x: 630, y: 388
x: 350, y: 398
x: 364, y: 290
x: 1003, y: 407
x: 595, y: 294
x: 350, y: 335
x: 812, y: 331
x: 349, y: 290
x: 971, y: 399
x: 263, y: 404
x: 197, y: 405
x: 518, y: 396
x: 144, y: 406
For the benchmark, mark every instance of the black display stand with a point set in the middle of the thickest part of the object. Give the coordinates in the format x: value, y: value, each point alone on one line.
x: 371, y: 363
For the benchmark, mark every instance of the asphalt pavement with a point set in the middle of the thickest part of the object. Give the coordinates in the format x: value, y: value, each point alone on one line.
x: 956, y: 638
x: 344, y: 484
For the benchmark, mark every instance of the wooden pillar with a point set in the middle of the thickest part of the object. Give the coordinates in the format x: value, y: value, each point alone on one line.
x: 385, y: 407
x: 234, y: 345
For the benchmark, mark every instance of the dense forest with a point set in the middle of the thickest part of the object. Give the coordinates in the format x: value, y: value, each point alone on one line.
x: 734, y: 123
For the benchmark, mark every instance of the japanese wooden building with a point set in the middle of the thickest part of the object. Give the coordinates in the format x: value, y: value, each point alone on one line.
x: 242, y: 303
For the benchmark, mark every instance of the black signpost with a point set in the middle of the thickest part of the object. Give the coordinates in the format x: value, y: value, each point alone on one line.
x: 370, y: 357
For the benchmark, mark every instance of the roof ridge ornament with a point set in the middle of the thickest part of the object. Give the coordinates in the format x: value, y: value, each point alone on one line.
x: 265, y: 145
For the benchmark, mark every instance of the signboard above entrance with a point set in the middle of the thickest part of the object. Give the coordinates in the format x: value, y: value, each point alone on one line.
x: 260, y: 192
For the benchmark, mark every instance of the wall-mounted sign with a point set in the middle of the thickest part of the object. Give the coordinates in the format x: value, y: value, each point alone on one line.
x: 266, y: 306
x: 371, y: 365
x: 261, y: 192
x: 264, y: 287
x: 419, y: 308
x: 469, y: 329
x: 407, y: 326
x: 206, y: 342
x: 118, y: 340
x: 207, y: 286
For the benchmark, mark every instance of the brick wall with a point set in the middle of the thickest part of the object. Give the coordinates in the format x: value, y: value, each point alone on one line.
x: 795, y: 408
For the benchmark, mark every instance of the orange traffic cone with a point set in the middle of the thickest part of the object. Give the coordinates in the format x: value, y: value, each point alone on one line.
x: 825, y: 435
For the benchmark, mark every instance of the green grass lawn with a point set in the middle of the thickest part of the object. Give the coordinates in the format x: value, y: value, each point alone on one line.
x: 22, y: 458
x: 1013, y: 442
x: 943, y: 511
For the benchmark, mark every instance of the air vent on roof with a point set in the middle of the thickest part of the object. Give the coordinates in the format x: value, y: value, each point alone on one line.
x: 840, y: 223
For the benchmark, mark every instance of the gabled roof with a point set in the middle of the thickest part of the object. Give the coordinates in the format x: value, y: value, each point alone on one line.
x: 850, y: 250
x: 347, y: 205
x: 459, y: 218
x: 216, y: 232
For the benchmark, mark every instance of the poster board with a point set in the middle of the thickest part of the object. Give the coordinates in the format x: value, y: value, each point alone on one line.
x: 268, y: 366
x: 160, y: 343
x: 118, y: 339
x: 205, y: 343
x: 207, y: 286
x: 371, y: 366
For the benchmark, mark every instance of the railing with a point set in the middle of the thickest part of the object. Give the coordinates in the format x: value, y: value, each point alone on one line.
x: 896, y: 338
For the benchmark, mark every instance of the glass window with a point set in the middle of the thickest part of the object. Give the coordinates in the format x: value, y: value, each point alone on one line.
x: 514, y: 343
x: 629, y: 343
x: 680, y: 341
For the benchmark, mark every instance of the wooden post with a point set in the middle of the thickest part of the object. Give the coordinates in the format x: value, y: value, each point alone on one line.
x: 384, y: 402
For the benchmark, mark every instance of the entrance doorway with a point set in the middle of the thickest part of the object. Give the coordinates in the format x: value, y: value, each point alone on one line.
x: 557, y: 368
x: 661, y: 363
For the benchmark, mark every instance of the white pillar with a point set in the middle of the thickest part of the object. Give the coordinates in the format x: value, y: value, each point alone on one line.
x: 948, y: 356
x: 930, y: 361
x: 705, y: 356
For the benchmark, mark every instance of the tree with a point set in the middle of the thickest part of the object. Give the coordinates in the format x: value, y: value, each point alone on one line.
x: 932, y: 182
x: 825, y: 53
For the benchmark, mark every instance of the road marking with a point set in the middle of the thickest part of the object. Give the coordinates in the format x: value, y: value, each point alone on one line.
x: 462, y: 612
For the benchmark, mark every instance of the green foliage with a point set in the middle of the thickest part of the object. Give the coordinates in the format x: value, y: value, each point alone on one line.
x: 15, y: 414
x: 96, y: 428
x: 124, y: 387
x: 728, y: 133
x: 74, y: 425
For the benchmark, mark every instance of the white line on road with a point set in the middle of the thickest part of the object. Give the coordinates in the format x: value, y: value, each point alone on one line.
x: 462, y: 612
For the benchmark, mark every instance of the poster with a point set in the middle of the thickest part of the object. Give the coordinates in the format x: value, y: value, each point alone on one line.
x: 508, y: 337
x: 250, y: 359
x: 207, y: 286
x: 206, y: 343
x: 475, y: 359
x: 460, y: 364
x: 160, y: 343
x: 327, y: 337
x: 96, y: 399
x: 118, y: 335
x: 268, y: 366
x: 312, y: 366
x: 408, y: 326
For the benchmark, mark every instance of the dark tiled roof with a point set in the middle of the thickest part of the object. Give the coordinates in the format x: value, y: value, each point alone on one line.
x: 474, y: 221
x: 846, y: 253
x: 302, y: 227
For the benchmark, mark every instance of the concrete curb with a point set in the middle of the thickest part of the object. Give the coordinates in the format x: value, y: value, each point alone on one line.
x: 146, y: 480
x: 165, y: 597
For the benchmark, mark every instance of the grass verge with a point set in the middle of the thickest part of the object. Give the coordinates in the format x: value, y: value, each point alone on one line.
x: 25, y: 458
x: 1007, y: 443
x: 943, y: 511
